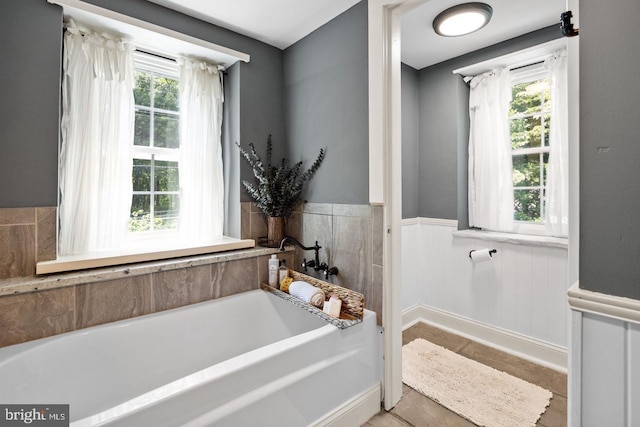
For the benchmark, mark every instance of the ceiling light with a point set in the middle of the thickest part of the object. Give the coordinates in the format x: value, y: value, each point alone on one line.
x: 462, y: 19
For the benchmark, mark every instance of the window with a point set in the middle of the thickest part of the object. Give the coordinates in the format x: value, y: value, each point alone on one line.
x: 529, y: 119
x: 121, y: 124
x: 155, y: 204
x: 518, y: 144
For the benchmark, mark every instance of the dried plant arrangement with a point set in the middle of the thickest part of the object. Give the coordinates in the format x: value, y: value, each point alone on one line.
x: 278, y: 188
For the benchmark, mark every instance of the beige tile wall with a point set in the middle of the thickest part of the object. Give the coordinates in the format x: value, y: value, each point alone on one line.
x: 27, y: 235
x: 351, y: 236
x: 352, y: 240
x: 34, y: 315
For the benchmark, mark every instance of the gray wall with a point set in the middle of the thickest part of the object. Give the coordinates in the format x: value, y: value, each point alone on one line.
x: 230, y: 153
x: 438, y: 142
x: 410, y: 142
x: 32, y: 33
x: 443, y: 127
x: 610, y: 147
x: 326, y: 105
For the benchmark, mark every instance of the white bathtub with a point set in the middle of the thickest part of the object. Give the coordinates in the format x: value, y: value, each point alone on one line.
x: 251, y: 359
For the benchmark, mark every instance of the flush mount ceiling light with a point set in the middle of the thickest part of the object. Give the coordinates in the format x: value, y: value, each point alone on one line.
x: 462, y: 19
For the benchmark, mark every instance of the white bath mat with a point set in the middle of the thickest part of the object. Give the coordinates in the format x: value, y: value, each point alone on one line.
x: 479, y: 393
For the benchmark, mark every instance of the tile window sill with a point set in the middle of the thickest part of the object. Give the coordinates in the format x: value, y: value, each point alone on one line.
x: 21, y: 285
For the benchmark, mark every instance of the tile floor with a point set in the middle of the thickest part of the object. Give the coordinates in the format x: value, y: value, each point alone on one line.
x: 416, y: 410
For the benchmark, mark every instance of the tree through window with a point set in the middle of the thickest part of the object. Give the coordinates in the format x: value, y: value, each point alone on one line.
x: 529, y: 118
x: 156, y: 190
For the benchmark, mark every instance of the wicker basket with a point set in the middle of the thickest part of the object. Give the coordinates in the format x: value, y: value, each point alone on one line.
x: 351, y: 311
x: 352, y: 301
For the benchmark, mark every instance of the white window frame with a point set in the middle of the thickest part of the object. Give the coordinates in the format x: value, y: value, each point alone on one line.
x: 168, y: 43
x: 156, y: 65
x: 520, y: 60
x: 524, y: 74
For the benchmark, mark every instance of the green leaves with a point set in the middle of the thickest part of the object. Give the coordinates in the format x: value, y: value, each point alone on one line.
x: 278, y: 189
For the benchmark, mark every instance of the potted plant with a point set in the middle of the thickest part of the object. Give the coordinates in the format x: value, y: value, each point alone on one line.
x: 278, y: 189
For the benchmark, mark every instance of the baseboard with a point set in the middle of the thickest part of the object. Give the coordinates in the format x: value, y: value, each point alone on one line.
x: 537, y: 351
x: 354, y: 412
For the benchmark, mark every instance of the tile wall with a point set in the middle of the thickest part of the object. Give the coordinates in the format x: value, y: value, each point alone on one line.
x: 27, y: 235
x: 351, y: 237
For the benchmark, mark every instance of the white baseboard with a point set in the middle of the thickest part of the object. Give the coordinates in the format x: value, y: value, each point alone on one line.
x: 540, y: 352
x: 355, y: 412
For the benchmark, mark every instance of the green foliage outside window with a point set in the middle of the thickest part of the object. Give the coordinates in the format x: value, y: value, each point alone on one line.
x: 156, y: 202
x: 529, y: 119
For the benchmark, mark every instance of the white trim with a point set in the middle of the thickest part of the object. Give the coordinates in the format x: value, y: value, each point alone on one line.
x: 515, y: 59
x: 574, y: 383
x: 515, y: 239
x: 574, y: 402
x: 573, y: 79
x: 355, y: 412
x: 611, y: 306
x: 537, y: 351
x: 147, y: 35
x: 430, y: 221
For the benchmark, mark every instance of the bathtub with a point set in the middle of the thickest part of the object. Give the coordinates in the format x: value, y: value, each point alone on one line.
x: 251, y: 359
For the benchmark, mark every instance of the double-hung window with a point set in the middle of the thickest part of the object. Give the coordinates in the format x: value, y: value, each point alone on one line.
x: 529, y: 120
x: 140, y: 151
x: 155, y: 205
x: 518, y: 146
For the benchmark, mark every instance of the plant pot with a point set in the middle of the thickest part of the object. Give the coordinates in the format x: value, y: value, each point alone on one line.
x: 275, y: 231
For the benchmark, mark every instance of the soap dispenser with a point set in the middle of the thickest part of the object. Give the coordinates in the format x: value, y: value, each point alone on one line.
x: 274, y: 263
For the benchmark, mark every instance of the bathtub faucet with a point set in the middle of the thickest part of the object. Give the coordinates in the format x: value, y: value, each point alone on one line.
x: 314, y: 263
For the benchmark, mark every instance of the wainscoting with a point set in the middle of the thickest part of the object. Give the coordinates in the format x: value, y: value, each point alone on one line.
x: 604, y: 380
x: 517, y: 301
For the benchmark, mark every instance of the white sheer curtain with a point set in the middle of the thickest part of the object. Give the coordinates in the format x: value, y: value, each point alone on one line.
x: 201, y: 174
x: 557, y: 214
x: 97, y: 134
x: 490, y: 163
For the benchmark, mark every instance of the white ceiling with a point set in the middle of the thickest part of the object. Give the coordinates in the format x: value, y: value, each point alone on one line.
x: 422, y: 47
x: 281, y: 23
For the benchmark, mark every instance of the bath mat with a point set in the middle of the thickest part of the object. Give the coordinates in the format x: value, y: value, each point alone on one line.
x: 479, y: 393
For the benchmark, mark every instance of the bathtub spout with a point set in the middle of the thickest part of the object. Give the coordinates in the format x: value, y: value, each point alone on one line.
x: 300, y: 245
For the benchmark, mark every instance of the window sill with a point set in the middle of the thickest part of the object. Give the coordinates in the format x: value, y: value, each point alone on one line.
x: 106, y: 259
x: 21, y: 285
x: 515, y: 239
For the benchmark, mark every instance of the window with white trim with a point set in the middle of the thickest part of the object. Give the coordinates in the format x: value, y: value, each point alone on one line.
x: 155, y: 205
x: 529, y: 119
x: 518, y: 143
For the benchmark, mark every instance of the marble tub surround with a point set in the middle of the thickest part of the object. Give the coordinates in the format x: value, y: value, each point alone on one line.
x: 33, y: 308
x: 351, y: 237
x: 38, y: 283
x: 27, y: 235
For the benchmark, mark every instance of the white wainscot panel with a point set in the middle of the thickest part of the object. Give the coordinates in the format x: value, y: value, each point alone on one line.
x: 521, y: 290
x: 603, y: 379
x: 605, y: 358
x: 412, y: 284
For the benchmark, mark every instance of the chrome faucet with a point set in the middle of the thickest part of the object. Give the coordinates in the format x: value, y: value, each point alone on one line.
x: 314, y: 263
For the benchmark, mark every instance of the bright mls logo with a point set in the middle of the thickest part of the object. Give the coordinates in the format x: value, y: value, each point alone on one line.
x: 34, y: 415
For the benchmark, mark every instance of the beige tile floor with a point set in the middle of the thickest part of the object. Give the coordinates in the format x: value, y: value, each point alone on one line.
x: 416, y: 410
